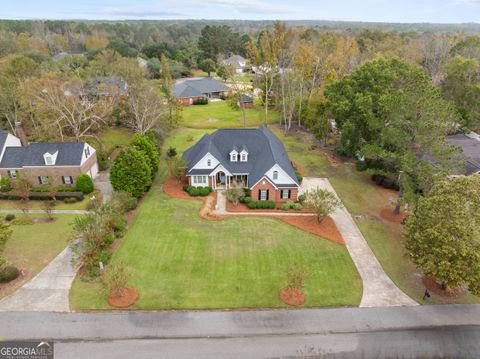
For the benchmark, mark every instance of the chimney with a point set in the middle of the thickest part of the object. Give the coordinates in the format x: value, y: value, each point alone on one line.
x: 20, y: 132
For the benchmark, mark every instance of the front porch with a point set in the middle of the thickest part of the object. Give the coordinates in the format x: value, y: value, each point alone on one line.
x: 222, y: 181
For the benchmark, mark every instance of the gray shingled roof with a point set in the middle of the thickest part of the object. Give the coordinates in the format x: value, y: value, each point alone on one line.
x: 69, y: 154
x: 3, y: 138
x: 235, y: 60
x: 197, y: 87
x: 470, y: 150
x: 264, y: 151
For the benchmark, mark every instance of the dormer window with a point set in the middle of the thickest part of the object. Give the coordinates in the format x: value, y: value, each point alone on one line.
x: 50, y: 158
x: 275, y: 175
x: 244, y: 157
x: 234, y: 156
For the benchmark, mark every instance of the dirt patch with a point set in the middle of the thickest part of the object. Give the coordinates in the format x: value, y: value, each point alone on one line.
x: 292, y: 296
x: 44, y: 220
x: 212, y: 120
x: 388, y: 215
x: 326, y: 229
x: 128, y: 297
x: 299, y: 168
x: 432, y: 285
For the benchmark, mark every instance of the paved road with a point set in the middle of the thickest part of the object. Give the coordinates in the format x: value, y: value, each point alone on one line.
x: 434, y: 343
x: 405, y: 332
x: 48, y: 290
x: 378, y: 288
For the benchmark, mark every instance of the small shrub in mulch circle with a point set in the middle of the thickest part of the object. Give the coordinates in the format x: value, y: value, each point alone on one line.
x: 123, y: 297
x: 293, y: 293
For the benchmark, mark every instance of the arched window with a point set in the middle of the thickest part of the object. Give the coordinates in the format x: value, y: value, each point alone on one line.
x: 275, y: 175
x: 209, y: 162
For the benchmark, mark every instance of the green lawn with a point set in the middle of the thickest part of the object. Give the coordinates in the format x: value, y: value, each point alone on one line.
x: 178, y: 260
x: 34, y: 204
x: 110, y: 138
x: 220, y: 115
x: 32, y: 247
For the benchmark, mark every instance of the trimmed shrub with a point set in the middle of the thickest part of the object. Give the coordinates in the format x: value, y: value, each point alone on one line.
x: 130, y: 172
x: 298, y: 174
x: 297, y: 206
x: 9, y: 217
x: 5, y: 184
x: 8, y: 273
x: 302, y: 198
x: 201, y: 101
x: 247, y: 199
x: 285, y: 207
x: 70, y: 200
x: 198, y: 191
x: 171, y: 152
x: 252, y: 205
x: 142, y: 143
x: 84, y: 183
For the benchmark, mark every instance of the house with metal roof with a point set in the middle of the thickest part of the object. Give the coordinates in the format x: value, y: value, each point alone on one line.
x: 253, y: 158
x: 189, y: 90
x: 62, y: 161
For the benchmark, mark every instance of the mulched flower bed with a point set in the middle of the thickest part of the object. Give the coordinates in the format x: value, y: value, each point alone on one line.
x: 432, y: 285
x: 292, y: 296
x: 242, y: 207
x: 326, y: 229
x: 129, y: 296
x: 388, y: 215
x: 299, y: 168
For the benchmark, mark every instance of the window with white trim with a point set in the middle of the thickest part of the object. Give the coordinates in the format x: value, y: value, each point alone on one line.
x: 275, y: 175
x: 233, y: 157
x: 48, y: 160
x: 285, y: 193
x: 199, y: 179
x: 244, y: 157
x: 263, y: 195
x: 43, y: 179
x: 209, y: 162
x: 12, y: 173
x: 67, y: 180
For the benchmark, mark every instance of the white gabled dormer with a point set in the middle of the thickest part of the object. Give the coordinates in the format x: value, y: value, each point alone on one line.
x: 50, y: 158
x: 207, y: 162
x: 244, y: 155
x: 234, y: 155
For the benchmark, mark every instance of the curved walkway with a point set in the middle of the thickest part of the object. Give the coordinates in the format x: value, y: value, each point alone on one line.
x: 48, y: 290
x: 378, y: 288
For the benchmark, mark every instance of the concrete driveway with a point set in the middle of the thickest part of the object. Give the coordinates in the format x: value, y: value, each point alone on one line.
x: 378, y: 288
x: 48, y: 290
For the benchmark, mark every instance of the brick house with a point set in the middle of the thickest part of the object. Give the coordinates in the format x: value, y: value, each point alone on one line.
x: 63, y: 161
x: 189, y: 90
x: 253, y: 158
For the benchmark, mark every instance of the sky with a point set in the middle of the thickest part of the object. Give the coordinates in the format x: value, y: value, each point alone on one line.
x: 437, y: 11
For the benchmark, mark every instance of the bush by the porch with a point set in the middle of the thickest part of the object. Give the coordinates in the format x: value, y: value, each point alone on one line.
x: 198, y: 191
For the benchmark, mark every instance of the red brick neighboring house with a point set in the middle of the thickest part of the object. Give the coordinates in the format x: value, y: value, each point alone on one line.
x: 63, y: 161
x: 251, y: 157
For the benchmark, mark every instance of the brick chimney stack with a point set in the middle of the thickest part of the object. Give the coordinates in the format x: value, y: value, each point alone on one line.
x: 20, y: 132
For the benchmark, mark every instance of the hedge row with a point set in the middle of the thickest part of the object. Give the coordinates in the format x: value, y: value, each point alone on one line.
x: 198, y: 191
x: 261, y: 204
x: 44, y: 196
